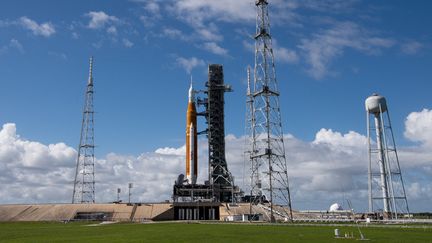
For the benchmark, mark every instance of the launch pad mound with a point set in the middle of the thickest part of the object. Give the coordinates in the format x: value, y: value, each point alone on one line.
x: 99, y: 212
x: 133, y: 212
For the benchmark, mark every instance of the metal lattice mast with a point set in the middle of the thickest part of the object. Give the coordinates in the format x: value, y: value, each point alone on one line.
x: 385, y: 182
x: 84, y: 185
x: 268, y: 163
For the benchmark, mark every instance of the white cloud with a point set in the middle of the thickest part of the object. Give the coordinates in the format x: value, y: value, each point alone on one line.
x: 5, y: 23
x: 172, y: 151
x: 325, y: 46
x: 196, y: 12
x: 17, y: 45
x: 418, y: 127
x: 75, y: 35
x: 281, y: 54
x: 13, y: 44
x: 100, y: 19
x: 412, y: 47
x: 214, y: 48
x: 174, y: 34
x: 127, y: 43
x: 152, y: 7
x: 20, y: 152
x: 249, y: 46
x: 334, y: 6
x: 331, y: 168
x: 153, y: 13
x: 189, y: 63
x: 209, y: 33
x: 338, y: 140
x: 286, y: 55
x: 45, y: 29
x: 112, y: 30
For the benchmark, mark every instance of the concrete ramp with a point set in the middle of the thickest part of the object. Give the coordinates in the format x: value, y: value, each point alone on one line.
x: 66, y: 212
x: 154, y: 211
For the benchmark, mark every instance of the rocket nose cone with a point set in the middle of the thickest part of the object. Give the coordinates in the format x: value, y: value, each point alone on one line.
x: 191, y: 94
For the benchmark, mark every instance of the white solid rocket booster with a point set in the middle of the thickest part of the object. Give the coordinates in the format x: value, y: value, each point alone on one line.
x: 191, y: 140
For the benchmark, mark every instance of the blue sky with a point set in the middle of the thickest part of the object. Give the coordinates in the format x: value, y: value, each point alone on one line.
x: 330, y: 56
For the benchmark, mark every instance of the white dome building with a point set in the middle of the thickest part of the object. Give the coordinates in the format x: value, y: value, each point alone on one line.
x: 335, y: 207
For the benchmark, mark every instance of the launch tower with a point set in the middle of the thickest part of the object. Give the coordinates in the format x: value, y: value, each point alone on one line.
x: 219, y: 176
x: 220, y: 184
x: 269, y: 176
x: 84, y: 184
x: 385, y: 181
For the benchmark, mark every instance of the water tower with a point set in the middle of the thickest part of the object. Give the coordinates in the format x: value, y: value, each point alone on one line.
x: 385, y: 183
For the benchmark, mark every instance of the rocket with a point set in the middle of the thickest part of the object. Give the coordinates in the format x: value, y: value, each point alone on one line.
x: 191, y: 139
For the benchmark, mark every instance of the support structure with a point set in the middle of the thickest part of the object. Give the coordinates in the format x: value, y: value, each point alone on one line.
x: 269, y: 176
x: 219, y: 176
x: 84, y: 183
x: 220, y: 185
x: 385, y: 181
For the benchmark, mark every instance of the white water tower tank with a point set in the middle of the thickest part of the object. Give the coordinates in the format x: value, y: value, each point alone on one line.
x: 374, y: 102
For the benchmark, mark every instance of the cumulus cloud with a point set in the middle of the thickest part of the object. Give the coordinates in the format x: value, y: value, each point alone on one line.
x: 31, y: 154
x: 338, y: 140
x: 418, y: 127
x: 100, y: 19
x: 331, y: 168
x: 45, y: 29
x: 189, y: 63
x: 324, y: 46
x: 32, y: 171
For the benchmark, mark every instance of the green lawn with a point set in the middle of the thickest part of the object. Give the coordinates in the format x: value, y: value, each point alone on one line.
x: 183, y: 232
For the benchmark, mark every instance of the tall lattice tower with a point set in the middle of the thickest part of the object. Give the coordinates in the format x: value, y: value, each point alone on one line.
x: 269, y: 176
x: 386, y: 186
x: 84, y: 185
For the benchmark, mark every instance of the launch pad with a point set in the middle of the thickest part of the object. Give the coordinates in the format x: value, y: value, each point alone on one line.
x: 220, y: 184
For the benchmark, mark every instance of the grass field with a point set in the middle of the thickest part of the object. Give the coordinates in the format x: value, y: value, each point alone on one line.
x: 183, y: 232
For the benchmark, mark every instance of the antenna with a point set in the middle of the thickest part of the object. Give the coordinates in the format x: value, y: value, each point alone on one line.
x: 90, y: 81
x: 267, y: 151
x: 84, y: 183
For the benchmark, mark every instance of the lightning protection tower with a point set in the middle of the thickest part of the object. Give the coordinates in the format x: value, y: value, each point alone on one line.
x: 269, y: 174
x: 385, y: 181
x: 84, y: 184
